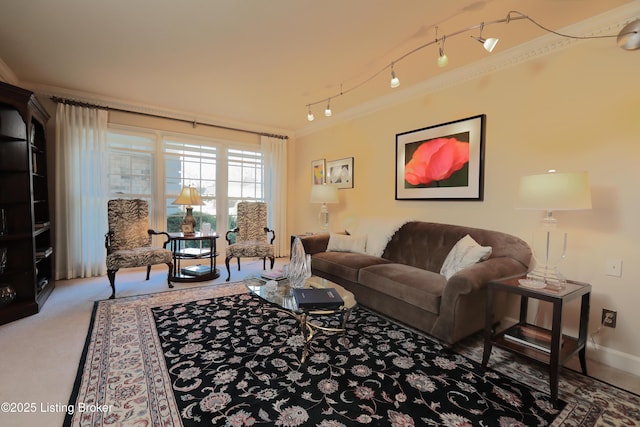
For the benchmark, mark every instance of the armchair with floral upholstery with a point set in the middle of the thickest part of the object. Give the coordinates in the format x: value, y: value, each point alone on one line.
x: 251, y: 235
x: 128, y: 240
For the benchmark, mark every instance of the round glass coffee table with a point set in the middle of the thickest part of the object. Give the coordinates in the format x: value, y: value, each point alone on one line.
x: 281, y: 294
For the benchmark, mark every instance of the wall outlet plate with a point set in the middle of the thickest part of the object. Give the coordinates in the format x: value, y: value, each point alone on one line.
x: 609, y: 318
x: 613, y: 267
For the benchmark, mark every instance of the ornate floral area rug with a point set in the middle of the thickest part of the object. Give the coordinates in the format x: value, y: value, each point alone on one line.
x: 218, y: 355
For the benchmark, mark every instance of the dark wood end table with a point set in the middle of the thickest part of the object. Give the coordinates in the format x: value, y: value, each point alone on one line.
x: 549, y: 347
x: 178, y: 244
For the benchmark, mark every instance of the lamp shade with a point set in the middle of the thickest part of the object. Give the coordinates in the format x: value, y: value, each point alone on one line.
x: 324, y: 194
x: 555, y: 192
x: 188, y: 196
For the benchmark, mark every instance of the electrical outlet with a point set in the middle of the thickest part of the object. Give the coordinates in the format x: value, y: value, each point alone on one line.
x: 609, y: 318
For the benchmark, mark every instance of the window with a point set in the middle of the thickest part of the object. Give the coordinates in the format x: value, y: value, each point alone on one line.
x: 190, y: 164
x: 131, y: 165
x: 245, y: 179
x: 155, y: 166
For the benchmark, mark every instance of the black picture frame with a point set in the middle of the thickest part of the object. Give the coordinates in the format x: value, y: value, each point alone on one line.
x: 340, y: 173
x: 442, y: 162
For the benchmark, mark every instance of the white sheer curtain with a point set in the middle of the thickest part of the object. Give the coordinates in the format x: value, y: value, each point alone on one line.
x: 81, y: 191
x: 275, y: 179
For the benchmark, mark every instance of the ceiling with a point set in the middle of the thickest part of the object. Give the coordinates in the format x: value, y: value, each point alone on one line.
x: 250, y: 62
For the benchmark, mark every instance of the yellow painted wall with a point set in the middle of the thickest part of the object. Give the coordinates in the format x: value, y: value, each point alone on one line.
x: 575, y: 109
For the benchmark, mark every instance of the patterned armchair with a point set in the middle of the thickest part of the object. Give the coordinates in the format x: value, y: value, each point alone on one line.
x: 251, y: 235
x: 128, y: 241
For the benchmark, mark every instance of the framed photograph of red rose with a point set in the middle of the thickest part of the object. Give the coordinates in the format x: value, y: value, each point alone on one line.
x: 442, y: 162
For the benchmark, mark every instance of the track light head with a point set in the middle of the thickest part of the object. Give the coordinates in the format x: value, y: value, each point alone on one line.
x: 489, y: 43
x: 310, y: 115
x: 327, y: 111
x: 629, y: 36
x: 442, y: 57
x: 395, y: 81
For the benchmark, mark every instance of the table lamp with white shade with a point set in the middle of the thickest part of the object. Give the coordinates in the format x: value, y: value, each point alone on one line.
x: 552, y: 191
x: 325, y: 194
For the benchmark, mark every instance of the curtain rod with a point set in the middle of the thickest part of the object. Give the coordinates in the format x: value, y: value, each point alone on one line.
x: 158, y: 116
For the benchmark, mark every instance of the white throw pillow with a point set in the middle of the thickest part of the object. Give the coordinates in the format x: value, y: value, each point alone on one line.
x: 378, y: 230
x: 346, y: 243
x: 465, y: 253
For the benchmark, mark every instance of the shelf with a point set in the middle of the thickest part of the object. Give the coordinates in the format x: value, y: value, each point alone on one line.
x: 534, y: 342
x: 193, y: 253
x: 566, y: 351
x: 42, y: 253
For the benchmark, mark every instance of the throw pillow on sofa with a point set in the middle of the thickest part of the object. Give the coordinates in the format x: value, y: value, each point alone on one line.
x: 466, y: 252
x: 346, y: 243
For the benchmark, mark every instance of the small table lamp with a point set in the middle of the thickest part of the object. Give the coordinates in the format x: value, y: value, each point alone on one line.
x: 552, y: 192
x: 189, y: 196
x: 324, y: 194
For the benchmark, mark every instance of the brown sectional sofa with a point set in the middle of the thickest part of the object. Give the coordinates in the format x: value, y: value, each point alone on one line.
x: 405, y: 282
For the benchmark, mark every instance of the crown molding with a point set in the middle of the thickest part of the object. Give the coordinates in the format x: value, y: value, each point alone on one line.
x: 607, y: 23
x: 7, y: 75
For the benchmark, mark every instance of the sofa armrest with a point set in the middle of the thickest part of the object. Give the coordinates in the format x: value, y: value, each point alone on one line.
x: 475, y: 277
x: 315, y: 243
x: 464, y: 298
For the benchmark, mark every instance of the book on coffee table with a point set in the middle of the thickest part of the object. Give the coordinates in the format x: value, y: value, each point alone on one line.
x: 319, y: 298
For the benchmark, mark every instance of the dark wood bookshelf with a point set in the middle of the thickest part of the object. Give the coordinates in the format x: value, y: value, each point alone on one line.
x: 25, y: 200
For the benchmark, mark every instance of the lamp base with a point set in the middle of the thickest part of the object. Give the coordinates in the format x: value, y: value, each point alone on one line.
x: 546, y: 277
x: 323, y: 217
x: 188, y: 225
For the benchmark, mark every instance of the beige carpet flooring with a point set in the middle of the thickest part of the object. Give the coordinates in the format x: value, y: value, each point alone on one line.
x: 39, y: 355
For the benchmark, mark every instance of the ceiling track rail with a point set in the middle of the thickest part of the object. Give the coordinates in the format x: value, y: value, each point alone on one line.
x: 194, y: 123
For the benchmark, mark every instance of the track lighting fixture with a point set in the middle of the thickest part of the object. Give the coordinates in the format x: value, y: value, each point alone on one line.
x: 628, y: 38
x: 489, y: 43
x: 442, y: 57
x: 395, y: 81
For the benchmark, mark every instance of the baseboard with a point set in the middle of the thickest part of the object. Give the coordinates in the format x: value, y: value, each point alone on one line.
x: 613, y: 358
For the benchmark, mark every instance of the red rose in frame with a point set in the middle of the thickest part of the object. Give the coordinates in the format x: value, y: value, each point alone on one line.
x: 436, y: 160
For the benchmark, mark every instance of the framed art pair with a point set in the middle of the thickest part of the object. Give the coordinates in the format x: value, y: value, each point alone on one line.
x: 335, y: 172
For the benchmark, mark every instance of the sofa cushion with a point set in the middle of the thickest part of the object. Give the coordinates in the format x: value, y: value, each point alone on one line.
x: 346, y: 243
x: 344, y: 264
x: 464, y: 253
x: 412, y: 285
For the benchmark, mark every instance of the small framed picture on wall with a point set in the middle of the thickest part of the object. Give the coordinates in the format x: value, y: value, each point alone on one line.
x: 318, y: 172
x: 340, y: 172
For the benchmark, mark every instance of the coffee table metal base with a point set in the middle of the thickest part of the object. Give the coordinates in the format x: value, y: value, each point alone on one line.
x: 308, y: 328
x: 281, y: 296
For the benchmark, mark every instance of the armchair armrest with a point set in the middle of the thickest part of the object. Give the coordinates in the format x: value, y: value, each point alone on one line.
x: 273, y: 234
x: 226, y: 236
x: 157, y: 233
x: 107, y: 241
